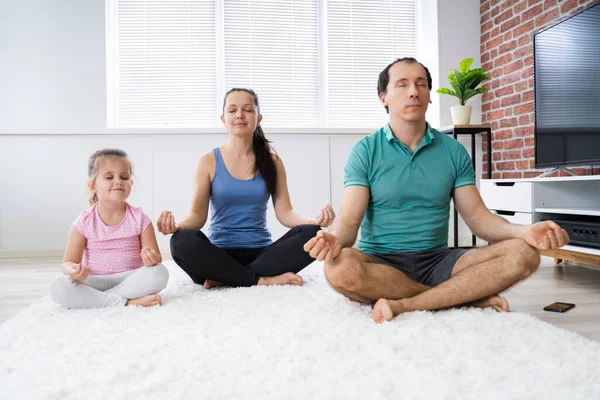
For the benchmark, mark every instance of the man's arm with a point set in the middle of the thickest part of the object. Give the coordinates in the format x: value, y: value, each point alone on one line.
x: 354, y: 205
x: 342, y: 233
x: 480, y: 220
x: 543, y: 235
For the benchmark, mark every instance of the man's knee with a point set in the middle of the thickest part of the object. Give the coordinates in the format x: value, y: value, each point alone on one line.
x: 526, y: 259
x: 345, y: 271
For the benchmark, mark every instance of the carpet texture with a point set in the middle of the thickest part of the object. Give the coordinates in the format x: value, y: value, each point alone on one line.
x: 287, y: 343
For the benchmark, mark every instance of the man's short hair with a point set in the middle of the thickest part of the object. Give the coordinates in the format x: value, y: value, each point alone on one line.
x: 384, y: 76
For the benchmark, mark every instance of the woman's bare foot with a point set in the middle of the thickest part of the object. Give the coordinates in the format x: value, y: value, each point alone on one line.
x: 385, y: 310
x: 210, y: 284
x: 496, y: 302
x: 146, y: 301
x: 289, y: 278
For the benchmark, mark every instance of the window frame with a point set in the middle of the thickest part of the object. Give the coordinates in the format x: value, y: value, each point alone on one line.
x: 112, y: 78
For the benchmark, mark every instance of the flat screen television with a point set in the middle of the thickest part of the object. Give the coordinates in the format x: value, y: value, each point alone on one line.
x: 567, y: 91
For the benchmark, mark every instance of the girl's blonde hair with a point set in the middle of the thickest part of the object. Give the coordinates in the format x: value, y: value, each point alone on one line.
x: 95, y: 162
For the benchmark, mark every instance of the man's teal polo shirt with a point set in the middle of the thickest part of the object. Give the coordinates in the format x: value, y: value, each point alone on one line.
x: 410, y: 193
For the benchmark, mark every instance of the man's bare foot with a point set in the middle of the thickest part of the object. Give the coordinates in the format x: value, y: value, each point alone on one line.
x: 289, y: 278
x: 146, y: 301
x: 210, y: 284
x: 496, y: 302
x: 385, y: 310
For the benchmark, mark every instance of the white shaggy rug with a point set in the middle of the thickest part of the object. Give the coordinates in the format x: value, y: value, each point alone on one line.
x: 287, y: 343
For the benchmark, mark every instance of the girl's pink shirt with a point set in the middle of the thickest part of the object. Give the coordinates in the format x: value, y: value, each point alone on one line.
x: 112, y: 249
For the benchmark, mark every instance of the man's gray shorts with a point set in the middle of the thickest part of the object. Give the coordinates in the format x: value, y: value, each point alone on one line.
x: 430, y: 267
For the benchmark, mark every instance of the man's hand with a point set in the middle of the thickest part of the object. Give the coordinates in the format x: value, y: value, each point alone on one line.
x: 150, y: 257
x: 324, y: 246
x: 545, y: 235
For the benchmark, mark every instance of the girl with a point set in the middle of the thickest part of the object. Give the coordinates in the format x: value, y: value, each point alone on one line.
x: 116, y: 241
x: 237, y: 179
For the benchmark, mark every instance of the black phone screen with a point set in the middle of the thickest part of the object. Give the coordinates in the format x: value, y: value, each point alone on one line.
x: 560, y: 307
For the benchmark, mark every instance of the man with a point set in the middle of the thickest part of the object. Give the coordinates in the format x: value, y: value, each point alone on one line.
x: 399, y: 182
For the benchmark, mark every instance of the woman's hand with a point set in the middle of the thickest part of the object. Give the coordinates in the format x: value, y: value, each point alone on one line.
x: 325, y: 217
x: 166, y: 223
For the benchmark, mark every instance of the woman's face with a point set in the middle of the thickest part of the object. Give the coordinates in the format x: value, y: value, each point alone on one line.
x: 240, y: 115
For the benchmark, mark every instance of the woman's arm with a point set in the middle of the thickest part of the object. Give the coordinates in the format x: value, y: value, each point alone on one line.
x: 71, y: 265
x: 283, y: 206
x: 200, y: 199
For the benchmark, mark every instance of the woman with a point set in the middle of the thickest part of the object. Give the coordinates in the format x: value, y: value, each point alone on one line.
x: 237, y: 179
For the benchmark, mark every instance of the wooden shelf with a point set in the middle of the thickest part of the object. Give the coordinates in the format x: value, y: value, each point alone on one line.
x: 584, y: 255
x: 588, y: 250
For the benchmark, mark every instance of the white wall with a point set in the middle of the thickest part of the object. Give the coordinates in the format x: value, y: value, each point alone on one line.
x: 53, y: 115
x: 43, y: 180
x: 459, y: 38
x: 52, y: 66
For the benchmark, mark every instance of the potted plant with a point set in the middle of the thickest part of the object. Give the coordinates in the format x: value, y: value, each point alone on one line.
x: 464, y: 86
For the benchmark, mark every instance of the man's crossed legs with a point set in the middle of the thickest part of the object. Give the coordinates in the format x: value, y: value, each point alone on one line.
x: 477, y: 278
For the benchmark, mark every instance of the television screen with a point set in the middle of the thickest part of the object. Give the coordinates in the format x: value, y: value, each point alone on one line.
x: 567, y: 91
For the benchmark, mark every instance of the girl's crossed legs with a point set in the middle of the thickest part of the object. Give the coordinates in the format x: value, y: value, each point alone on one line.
x: 139, y: 286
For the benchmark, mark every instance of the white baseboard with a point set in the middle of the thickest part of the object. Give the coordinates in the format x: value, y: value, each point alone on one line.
x: 31, y: 253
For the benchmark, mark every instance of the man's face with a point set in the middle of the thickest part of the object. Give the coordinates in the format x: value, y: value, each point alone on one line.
x: 407, y: 95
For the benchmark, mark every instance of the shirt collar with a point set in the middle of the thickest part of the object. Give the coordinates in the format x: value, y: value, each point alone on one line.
x: 427, y: 139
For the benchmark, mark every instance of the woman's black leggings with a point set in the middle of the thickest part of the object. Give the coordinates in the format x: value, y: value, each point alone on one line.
x: 202, y: 260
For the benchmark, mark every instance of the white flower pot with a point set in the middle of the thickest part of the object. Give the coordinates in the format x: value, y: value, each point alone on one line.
x: 461, y: 115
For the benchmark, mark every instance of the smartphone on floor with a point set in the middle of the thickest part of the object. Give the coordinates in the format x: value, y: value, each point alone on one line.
x: 559, y: 307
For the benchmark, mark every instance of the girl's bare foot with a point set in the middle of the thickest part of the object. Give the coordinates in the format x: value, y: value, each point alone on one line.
x: 146, y: 301
x: 210, y: 284
x: 496, y: 302
x: 289, y: 278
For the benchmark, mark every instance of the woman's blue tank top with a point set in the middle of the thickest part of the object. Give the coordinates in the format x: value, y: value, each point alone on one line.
x: 238, y: 209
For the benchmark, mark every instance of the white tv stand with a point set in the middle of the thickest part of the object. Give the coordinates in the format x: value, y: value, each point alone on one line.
x: 526, y: 201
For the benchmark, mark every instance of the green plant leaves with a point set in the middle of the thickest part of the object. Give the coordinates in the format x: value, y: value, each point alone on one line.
x: 466, y: 64
x: 447, y: 91
x: 464, y: 82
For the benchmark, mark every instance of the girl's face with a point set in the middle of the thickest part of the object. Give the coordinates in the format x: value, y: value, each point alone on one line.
x: 240, y: 115
x: 113, y: 181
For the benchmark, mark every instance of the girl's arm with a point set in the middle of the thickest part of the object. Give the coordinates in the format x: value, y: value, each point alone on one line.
x: 200, y: 199
x: 150, y: 253
x: 283, y: 206
x: 71, y: 264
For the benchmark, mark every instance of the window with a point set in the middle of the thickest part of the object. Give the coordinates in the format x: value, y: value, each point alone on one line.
x: 313, y: 64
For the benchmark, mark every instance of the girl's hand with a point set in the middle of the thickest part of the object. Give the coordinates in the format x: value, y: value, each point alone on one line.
x: 150, y: 256
x: 166, y: 223
x: 78, y: 272
x: 325, y: 217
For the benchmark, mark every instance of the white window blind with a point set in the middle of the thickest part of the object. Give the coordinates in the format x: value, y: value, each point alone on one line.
x: 363, y: 37
x: 312, y: 63
x: 273, y: 48
x: 164, y: 63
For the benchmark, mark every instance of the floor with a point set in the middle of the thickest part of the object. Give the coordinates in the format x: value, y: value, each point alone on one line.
x: 23, y: 281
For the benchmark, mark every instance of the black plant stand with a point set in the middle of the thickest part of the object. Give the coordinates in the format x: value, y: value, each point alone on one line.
x: 472, y: 130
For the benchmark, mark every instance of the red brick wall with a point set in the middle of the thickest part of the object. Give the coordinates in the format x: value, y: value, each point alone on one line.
x: 507, y: 28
